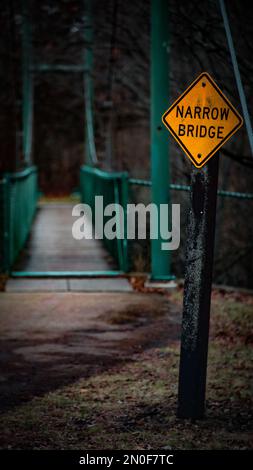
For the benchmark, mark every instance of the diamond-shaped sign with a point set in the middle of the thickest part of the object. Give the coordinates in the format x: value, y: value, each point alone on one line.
x: 202, y: 119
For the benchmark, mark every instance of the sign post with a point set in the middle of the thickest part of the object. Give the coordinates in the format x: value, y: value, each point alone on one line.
x: 197, y: 291
x: 201, y: 120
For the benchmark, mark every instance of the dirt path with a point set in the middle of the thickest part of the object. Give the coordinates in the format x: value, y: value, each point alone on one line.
x: 52, y: 339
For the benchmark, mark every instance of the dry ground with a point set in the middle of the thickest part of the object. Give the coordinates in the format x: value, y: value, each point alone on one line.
x: 110, y: 382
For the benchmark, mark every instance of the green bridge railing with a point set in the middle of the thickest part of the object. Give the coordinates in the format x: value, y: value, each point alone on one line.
x: 18, y: 200
x: 114, y: 189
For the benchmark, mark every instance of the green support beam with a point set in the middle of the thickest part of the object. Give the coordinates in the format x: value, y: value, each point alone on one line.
x: 64, y: 274
x: 27, y: 86
x: 160, y: 168
x: 91, y: 155
x: 65, y: 68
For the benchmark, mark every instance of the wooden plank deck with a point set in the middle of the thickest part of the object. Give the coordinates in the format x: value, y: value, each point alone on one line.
x: 51, y: 246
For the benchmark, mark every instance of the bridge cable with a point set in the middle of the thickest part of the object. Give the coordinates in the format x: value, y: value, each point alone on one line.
x: 237, y: 73
x: 110, y: 82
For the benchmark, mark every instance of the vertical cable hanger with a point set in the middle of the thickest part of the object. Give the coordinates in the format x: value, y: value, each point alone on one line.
x: 88, y: 86
x: 110, y: 81
x: 112, y: 48
x: 13, y: 78
x: 237, y: 73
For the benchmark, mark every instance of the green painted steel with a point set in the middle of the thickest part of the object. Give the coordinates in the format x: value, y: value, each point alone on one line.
x: 90, y: 148
x: 27, y: 86
x: 140, y: 182
x: 18, y: 200
x: 184, y: 187
x: 4, y: 225
x: 65, y: 68
x: 160, y: 168
x: 234, y: 194
x: 64, y: 274
x: 114, y: 189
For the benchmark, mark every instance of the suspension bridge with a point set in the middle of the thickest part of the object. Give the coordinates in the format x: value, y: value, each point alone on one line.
x: 52, y: 252
x: 36, y: 243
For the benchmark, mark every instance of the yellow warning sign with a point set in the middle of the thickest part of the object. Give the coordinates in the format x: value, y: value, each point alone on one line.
x: 202, y: 119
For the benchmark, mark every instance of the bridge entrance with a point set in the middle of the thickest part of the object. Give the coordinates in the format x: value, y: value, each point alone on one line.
x: 51, y: 248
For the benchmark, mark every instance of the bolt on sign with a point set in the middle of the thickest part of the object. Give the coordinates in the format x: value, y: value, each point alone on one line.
x: 202, y: 119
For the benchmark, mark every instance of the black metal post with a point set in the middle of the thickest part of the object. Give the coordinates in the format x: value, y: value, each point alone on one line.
x: 197, y: 291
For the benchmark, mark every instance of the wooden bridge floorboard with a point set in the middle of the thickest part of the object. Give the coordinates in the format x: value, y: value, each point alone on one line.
x: 51, y: 246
